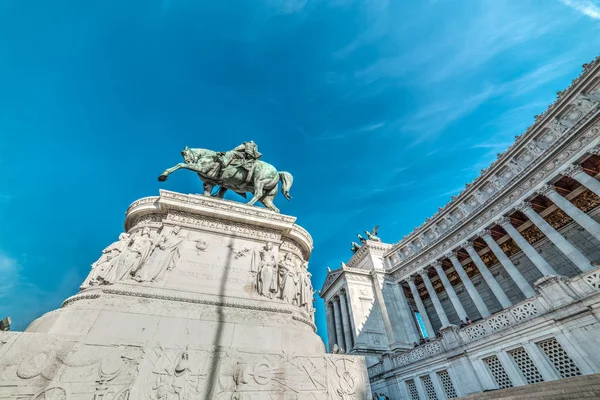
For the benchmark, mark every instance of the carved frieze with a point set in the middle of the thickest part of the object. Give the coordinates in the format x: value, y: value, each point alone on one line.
x: 223, y: 226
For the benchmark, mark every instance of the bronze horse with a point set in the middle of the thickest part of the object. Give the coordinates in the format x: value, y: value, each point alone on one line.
x: 263, y: 185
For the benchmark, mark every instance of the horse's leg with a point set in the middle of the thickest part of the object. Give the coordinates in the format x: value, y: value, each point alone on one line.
x: 267, y: 200
x: 208, y: 187
x: 221, y: 192
x: 163, y: 177
x: 258, y: 192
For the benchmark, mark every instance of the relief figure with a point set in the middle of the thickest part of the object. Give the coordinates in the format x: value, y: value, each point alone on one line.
x: 164, y: 257
x: 134, y: 255
x: 288, y: 279
x: 267, y: 270
x: 306, y: 289
x: 102, y: 269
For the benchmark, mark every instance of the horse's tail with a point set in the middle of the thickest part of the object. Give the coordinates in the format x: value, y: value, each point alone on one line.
x: 286, y: 183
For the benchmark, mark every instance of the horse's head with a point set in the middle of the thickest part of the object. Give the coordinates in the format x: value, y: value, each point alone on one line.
x: 191, y: 156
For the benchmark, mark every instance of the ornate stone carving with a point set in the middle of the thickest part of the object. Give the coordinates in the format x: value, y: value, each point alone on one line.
x: 53, y: 393
x: 306, y: 290
x: 241, y: 253
x: 288, y: 280
x: 572, y: 170
x: 201, y: 245
x: 102, y: 269
x: 164, y: 257
x: 264, y: 268
x: 133, y: 256
x: 222, y: 226
x: 546, y: 189
x: 154, y: 220
x: 586, y: 201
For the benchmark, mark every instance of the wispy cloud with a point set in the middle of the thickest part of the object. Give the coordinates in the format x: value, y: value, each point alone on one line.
x: 586, y: 7
x: 438, y: 116
x: 9, y: 271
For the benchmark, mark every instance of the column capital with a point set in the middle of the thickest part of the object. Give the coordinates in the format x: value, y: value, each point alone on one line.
x: 411, y: 279
x: 342, y: 291
x: 546, y: 190
x: 424, y: 273
x: 572, y: 170
x: 524, y: 207
x: 485, y: 232
x: 451, y: 254
x: 468, y: 245
x: 503, y: 221
x: 437, y: 264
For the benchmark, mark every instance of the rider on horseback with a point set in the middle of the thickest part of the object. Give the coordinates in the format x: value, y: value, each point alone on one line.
x: 244, y: 155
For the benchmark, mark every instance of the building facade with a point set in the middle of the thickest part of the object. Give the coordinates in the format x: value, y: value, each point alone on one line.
x: 516, y: 254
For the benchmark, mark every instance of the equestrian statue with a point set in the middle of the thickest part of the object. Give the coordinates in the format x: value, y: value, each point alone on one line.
x: 239, y: 170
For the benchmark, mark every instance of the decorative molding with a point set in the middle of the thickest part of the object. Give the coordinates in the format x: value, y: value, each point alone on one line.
x: 573, y: 170
x: 283, y: 309
x: 484, y: 233
x: 546, y: 189
x: 226, y: 205
x: 377, y: 249
x: 535, y: 169
x: 331, y: 278
x: 220, y: 225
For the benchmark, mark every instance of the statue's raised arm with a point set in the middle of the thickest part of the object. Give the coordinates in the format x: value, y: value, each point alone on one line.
x: 239, y: 170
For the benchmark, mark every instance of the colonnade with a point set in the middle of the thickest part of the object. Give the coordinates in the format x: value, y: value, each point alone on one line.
x: 339, y: 323
x: 562, y: 244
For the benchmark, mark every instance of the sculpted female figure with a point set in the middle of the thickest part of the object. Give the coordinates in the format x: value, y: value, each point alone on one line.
x: 105, y: 265
x: 164, y: 258
x: 288, y: 280
x: 306, y: 290
x: 267, y: 285
x: 134, y: 255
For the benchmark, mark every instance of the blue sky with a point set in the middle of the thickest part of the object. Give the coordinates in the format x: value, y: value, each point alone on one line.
x: 382, y: 110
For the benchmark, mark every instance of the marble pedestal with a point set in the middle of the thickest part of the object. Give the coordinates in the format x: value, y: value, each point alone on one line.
x: 203, y: 298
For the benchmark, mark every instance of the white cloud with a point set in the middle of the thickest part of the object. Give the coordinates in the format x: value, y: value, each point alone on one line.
x: 585, y: 7
x: 9, y: 273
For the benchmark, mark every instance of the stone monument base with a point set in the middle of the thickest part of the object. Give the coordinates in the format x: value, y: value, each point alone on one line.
x: 202, y: 298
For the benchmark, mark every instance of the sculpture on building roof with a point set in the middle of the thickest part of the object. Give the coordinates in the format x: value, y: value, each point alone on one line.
x: 239, y: 170
x: 354, y: 247
x: 373, y: 234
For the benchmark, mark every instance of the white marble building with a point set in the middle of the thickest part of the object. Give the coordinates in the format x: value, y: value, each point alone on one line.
x: 517, y: 252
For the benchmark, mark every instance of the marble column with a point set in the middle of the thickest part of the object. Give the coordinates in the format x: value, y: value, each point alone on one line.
x: 473, y: 293
x: 434, y: 299
x: 346, y: 322
x: 331, y: 337
x: 514, y: 273
x: 420, y: 306
x: 555, y: 237
x: 487, y: 275
x: 460, y: 310
x: 338, y: 323
x: 406, y: 315
x: 586, y: 222
x: 576, y: 172
x: 531, y: 253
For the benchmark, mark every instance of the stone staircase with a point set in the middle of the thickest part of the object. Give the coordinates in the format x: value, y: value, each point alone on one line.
x: 579, y: 387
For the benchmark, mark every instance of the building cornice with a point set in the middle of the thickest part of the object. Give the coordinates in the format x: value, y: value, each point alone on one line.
x: 536, y: 147
x: 370, y: 247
